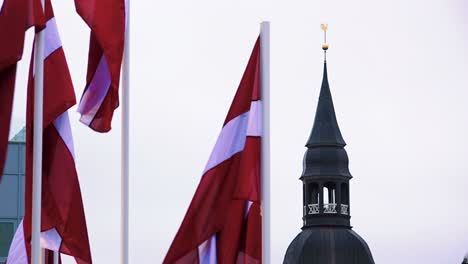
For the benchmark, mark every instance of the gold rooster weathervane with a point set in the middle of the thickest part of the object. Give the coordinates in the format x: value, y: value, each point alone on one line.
x: 325, y: 44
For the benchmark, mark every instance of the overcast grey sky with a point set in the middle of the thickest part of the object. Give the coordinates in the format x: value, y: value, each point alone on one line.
x: 398, y: 75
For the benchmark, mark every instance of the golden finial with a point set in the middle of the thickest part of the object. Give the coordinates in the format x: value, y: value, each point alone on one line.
x: 325, y: 44
x: 324, y: 28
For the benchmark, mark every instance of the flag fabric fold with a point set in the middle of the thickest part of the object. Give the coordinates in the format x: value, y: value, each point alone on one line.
x: 19, y: 253
x: 106, y: 19
x: 16, y: 16
x: 63, y: 223
x: 223, y: 221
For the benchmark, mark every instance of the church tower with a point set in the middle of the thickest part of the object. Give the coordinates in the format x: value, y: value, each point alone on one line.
x: 327, y: 236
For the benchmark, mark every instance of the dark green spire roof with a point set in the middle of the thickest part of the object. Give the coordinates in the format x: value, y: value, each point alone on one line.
x: 325, y: 131
x: 325, y: 155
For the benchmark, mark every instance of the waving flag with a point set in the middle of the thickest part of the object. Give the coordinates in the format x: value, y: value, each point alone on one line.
x: 63, y: 224
x: 223, y: 222
x: 106, y: 18
x: 19, y: 252
x: 15, y: 17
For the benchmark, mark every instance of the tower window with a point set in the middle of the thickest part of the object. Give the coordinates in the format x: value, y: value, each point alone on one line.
x: 312, y: 198
x: 315, y: 193
x: 329, y: 191
x: 329, y: 198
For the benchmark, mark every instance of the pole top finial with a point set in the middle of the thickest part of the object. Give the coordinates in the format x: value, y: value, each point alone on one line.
x: 324, y: 27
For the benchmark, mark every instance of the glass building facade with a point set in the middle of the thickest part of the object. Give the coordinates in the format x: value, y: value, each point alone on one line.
x: 12, y: 192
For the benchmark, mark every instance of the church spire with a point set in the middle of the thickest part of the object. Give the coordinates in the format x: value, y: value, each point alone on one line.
x: 325, y: 131
x: 327, y: 235
x: 325, y: 168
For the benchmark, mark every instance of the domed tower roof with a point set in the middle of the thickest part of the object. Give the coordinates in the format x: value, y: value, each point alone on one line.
x: 324, y: 245
x: 327, y: 236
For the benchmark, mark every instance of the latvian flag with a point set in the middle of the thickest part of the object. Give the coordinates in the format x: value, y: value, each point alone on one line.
x: 63, y: 224
x: 106, y: 19
x: 223, y: 222
x: 16, y: 16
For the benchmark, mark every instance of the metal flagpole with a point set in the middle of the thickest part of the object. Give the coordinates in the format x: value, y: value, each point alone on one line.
x: 37, y: 145
x: 125, y: 138
x: 265, y: 148
x: 56, y: 257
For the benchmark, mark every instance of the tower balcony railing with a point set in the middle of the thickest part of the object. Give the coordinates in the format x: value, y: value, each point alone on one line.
x: 313, y: 209
x: 344, y: 209
x: 329, y: 208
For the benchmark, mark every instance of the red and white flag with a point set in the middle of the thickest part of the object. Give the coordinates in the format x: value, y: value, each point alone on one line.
x: 17, y: 247
x: 16, y: 16
x: 223, y: 222
x: 63, y: 223
x: 106, y: 19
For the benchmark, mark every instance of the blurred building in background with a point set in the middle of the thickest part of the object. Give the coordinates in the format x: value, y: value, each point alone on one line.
x: 12, y: 192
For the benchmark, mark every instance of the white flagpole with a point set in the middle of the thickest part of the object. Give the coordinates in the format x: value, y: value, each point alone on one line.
x: 56, y: 257
x: 265, y: 149
x: 37, y: 145
x: 125, y: 138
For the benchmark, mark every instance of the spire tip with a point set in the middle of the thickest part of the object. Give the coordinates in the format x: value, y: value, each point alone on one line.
x: 324, y: 27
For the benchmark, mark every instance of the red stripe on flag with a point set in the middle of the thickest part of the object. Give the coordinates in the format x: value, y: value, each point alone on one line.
x: 7, y: 85
x: 62, y: 206
x: 62, y: 197
x: 218, y: 209
x: 248, y: 185
x: 249, y: 87
x: 106, y: 19
x: 59, y: 95
x: 49, y: 257
x: 15, y: 17
x: 251, y: 249
x: 208, y: 209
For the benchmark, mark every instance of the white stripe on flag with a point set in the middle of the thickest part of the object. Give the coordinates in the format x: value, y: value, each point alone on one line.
x: 247, y: 208
x: 230, y: 141
x: 17, y: 253
x: 232, y: 138
x: 52, y: 40
x: 51, y: 239
x: 62, y: 124
x: 127, y: 9
x: 254, y: 128
x: 207, y: 251
x: 95, y: 94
